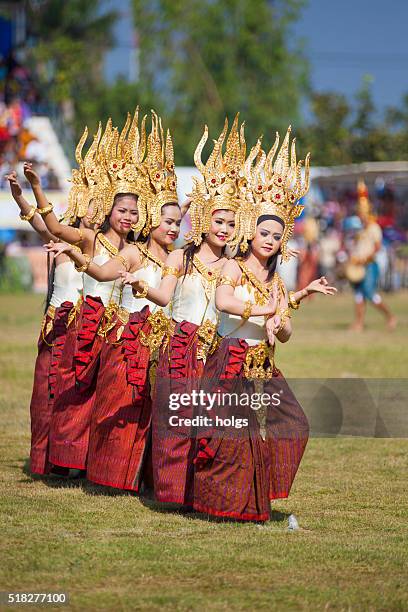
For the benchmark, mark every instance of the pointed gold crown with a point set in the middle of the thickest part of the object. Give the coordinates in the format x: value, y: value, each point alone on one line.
x: 161, y: 181
x: 82, y: 178
x: 117, y: 167
x: 275, y: 187
x: 223, y: 186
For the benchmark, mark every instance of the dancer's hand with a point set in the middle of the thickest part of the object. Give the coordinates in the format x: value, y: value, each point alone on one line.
x: 291, y: 253
x: 58, y: 247
x: 31, y: 176
x: 128, y: 279
x: 272, y: 326
x: 273, y: 300
x: 320, y: 285
x: 186, y: 204
x: 15, y: 186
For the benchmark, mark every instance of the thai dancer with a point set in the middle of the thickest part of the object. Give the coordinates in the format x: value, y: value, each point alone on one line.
x: 189, y: 281
x: 120, y: 424
x: 111, y: 169
x: 250, y: 451
x: 64, y: 290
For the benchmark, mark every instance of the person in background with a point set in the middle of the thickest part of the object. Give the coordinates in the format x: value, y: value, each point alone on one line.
x: 363, y: 254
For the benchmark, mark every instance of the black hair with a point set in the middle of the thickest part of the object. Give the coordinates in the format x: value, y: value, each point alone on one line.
x: 51, y: 270
x: 273, y: 259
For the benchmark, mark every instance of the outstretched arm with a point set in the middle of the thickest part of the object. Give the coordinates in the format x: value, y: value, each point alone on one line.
x: 162, y: 294
x: 27, y: 211
x: 319, y: 285
x: 226, y: 301
x: 111, y: 270
x: 73, y: 235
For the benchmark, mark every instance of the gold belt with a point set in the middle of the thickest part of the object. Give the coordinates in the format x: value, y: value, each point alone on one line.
x: 113, y: 313
x: 259, y: 361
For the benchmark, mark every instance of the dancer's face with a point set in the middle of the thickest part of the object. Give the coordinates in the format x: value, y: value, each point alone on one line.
x: 268, y: 238
x: 221, y: 228
x: 168, y: 230
x: 124, y: 214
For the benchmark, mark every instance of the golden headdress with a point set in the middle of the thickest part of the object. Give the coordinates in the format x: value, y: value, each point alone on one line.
x: 275, y: 187
x: 223, y: 186
x: 161, y: 182
x: 79, y: 195
x: 118, y: 167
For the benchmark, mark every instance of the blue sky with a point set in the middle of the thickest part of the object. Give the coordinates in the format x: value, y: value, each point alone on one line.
x: 344, y: 40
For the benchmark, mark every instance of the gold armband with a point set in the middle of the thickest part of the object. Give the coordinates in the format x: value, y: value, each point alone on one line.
x: 84, y: 266
x: 124, y: 261
x: 29, y: 215
x: 225, y: 280
x: 143, y: 293
x: 169, y: 271
x: 284, y: 315
x: 47, y: 209
x: 247, y: 310
x: 292, y: 301
x: 81, y: 236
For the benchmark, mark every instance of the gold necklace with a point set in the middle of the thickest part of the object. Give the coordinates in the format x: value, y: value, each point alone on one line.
x: 107, y: 244
x: 208, y: 276
x: 262, y: 292
x: 149, y: 255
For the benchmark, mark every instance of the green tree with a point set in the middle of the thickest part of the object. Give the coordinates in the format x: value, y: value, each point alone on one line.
x: 71, y: 39
x: 204, y: 59
x: 327, y: 135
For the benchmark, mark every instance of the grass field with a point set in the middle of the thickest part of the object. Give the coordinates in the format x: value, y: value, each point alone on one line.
x: 110, y: 550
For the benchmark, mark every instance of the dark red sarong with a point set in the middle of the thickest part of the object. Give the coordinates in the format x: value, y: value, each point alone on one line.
x: 238, y: 471
x: 50, y: 344
x: 75, y: 386
x: 120, y: 425
x: 173, y: 449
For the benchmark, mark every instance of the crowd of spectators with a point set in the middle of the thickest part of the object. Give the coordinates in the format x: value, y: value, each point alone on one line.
x: 323, y: 237
x: 19, y: 100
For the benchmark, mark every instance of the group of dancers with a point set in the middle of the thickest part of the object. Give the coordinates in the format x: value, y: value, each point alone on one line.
x: 132, y: 324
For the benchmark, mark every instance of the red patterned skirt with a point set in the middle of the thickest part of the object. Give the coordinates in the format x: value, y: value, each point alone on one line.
x: 120, y: 425
x: 173, y: 448
x: 50, y: 345
x: 238, y: 470
x: 75, y: 388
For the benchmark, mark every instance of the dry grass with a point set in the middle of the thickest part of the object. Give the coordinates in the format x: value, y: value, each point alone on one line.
x: 115, y: 551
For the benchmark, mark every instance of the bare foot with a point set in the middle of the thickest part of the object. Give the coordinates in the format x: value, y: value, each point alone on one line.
x: 392, y: 323
x: 357, y: 327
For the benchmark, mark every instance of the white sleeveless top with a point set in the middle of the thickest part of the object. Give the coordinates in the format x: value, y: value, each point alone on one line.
x: 67, y: 284
x: 234, y: 326
x: 191, y: 302
x: 151, y: 273
x: 108, y: 291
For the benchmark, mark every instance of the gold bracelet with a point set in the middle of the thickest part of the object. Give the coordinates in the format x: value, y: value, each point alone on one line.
x: 169, y: 271
x: 47, y: 209
x: 247, y: 310
x: 225, y: 280
x: 143, y: 293
x: 84, y: 266
x: 293, y: 303
x: 29, y: 215
x: 284, y: 314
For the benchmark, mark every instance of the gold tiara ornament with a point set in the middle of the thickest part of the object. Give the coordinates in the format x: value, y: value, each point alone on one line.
x: 275, y: 186
x: 223, y: 183
x: 161, y: 181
